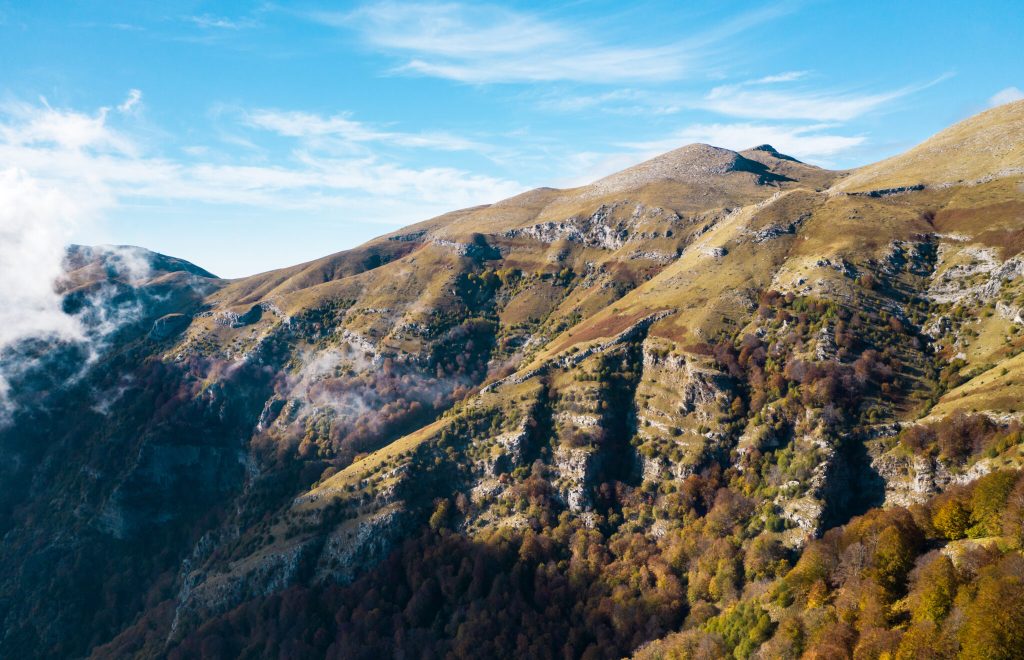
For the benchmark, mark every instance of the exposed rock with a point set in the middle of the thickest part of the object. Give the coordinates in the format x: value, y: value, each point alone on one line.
x: 599, y: 230
x: 980, y: 279
x: 574, y: 466
x: 913, y: 479
x: 887, y: 192
x: 169, y: 326
x: 774, y: 231
x: 825, y: 345
x: 348, y: 551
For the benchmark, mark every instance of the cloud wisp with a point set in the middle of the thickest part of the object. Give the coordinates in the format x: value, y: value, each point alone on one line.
x: 786, y: 96
x: 342, y: 128
x: 759, y: 99
x: 488, y: 44
x: 36, y: 222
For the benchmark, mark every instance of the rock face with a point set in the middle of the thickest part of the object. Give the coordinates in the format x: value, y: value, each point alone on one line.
x: 337, y: 558
x: 683, y: 397
x: 609, y: 227
x: 598, y: 230
x: 979, y: 274
x: 169, y: 326
x: 575, y: 468
x: 915, y: 479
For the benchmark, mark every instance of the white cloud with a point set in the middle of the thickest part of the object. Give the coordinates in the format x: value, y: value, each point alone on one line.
x: 768, y: 97
x: 788, y: 76
x: 208, y: 22
x: 35, y: 223
x: 310, y: 126
x: 83, y: 153
x: 753, y: 100
x: 27, y: 125
x: 1008, y: 95
x: 131, y: 103
x: 488, y: 44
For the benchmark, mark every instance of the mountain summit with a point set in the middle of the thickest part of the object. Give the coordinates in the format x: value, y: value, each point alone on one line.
x: 717, y: 404
x: 692, y: 164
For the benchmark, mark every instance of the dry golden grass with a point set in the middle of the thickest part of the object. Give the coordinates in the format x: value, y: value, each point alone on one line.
x: 997, y: 390
x: 984, y: 145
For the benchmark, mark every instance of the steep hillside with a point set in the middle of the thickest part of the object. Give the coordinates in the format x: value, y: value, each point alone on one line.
x: 668, y: 404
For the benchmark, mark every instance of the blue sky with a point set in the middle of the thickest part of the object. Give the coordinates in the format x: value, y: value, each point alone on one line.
x: 249, y: 136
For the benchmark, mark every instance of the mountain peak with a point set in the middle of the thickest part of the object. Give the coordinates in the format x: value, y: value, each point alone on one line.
x: 85, y: 262
x: 758, y: 152
x: 694, y: 164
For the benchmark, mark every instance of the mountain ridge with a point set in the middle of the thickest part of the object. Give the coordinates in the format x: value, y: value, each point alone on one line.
x: 662, y: 394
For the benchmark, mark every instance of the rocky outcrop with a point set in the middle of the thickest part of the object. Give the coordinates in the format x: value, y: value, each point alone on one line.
x: 574, y: 467
x: 911, y: 479
x: 600, y: 230
x: 776, y: 230
x: 203, y: 594
x: 169, y: 326
x: 351, y: 549
x: 478, y: 250
x: 340, y: 557
x: 979, y: 277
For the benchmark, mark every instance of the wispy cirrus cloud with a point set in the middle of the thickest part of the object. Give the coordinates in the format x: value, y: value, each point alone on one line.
x: 490, y: 44
x: 131, y: 104
x: 210, y: 22
x: 787, y: 76
x: 313, y: 127
x: 771, y: 97
x: 758, y: 99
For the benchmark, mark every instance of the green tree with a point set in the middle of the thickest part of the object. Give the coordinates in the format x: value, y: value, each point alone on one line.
x: 989, y: 501
x: 442, y: 512
x: 894, y: 556
x: 934, y: 589
x: 952, y: 518
x: 993, y: 626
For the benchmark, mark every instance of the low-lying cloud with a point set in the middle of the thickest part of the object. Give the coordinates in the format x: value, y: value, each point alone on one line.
x: 36, y: 222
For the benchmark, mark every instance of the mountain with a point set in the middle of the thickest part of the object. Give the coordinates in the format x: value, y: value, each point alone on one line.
x: 717, y: 403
